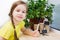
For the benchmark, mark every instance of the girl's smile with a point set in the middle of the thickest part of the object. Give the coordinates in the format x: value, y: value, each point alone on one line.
x: 20, y: 17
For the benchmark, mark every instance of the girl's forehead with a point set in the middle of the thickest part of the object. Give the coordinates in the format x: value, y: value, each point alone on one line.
x: 21, y: 7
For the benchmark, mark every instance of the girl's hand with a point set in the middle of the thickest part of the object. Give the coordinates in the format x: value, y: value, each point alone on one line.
x: 30, y: 32
x: 36, y: 33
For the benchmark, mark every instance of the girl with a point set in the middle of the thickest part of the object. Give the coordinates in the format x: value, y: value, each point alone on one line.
x: 11, y: 30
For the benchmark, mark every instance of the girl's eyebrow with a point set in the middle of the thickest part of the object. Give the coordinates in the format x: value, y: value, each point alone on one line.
x: 20, y: 9
x: 23, y: 10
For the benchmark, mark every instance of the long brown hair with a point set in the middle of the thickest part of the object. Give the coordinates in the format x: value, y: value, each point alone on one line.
x: 11, y: 16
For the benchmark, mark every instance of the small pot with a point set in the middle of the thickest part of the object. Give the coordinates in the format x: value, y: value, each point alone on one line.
x: 35, y: 21
x: 41, y: 20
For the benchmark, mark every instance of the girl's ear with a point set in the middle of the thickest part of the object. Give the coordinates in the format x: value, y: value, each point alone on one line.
x: 10, y: 14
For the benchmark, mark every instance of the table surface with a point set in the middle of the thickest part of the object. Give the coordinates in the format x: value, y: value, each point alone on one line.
x: 54, y: 35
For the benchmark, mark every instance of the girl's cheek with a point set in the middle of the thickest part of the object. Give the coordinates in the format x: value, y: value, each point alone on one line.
x: 24, y: 16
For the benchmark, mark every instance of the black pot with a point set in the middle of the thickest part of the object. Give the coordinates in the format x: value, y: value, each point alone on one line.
x: 46, y: 22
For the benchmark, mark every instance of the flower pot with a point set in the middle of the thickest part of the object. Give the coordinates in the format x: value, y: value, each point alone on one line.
x: 34, y: 21
x: 41, y: 20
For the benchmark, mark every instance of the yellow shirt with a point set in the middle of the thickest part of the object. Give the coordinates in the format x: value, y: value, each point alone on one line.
x: 7, y: 31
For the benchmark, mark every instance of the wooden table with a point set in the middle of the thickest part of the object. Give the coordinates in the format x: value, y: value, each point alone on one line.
x: 54, y: 35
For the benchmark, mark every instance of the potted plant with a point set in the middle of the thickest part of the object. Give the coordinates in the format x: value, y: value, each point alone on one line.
x: 38, y: 10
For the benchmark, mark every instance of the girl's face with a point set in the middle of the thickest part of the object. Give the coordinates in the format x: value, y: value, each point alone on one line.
x: 19, y: 12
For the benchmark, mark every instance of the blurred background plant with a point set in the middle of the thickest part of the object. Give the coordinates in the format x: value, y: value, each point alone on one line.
x: 39, y: 9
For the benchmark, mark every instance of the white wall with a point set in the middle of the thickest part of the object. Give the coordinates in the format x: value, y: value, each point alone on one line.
x: 56, y: 13
x: 56, y: 2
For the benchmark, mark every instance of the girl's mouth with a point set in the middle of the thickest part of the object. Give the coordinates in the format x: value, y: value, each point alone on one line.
x: 19, y: 16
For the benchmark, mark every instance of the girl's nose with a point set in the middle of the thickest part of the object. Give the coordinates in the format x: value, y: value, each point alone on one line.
x: 20, y: 13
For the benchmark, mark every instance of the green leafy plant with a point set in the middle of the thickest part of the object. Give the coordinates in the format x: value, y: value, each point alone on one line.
x: 48, y: 12
x: 39, y: 9
x: 36, y: 8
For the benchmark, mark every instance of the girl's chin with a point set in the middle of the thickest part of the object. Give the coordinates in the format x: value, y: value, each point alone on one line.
x: 19, y: 20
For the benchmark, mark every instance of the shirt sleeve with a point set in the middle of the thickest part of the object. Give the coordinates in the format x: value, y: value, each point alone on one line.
x: 5, y: 31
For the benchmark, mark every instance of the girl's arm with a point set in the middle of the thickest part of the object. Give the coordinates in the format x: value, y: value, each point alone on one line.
x: 1, y: 38
x: 30, y: 32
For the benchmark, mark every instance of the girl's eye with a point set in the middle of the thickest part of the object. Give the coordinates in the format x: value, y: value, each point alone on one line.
x: 23, y: 11
x: 18, y: 10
